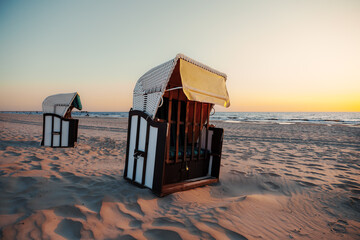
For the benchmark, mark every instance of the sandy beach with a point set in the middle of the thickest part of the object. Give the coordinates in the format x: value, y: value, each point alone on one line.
x: 277, y: 181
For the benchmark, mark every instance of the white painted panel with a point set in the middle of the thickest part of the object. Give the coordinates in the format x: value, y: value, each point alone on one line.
x: 47, y: 131
x: 132, y: 141
x: 56, y: 137
x: 142, y: 136
x: 56, y: 140
x: 141, y: 147
x: 150, y: 162
x: 210, y: 135
x: 65, y: 134
x: 210, y: 166
x: 57, y: 124
x: 139, y: 169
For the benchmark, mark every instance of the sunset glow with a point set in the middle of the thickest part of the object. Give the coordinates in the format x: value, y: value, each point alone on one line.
x: 279, y: 56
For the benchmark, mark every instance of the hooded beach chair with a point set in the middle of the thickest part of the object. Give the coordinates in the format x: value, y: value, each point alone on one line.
x: 59, y: 129
x: 171, y: 146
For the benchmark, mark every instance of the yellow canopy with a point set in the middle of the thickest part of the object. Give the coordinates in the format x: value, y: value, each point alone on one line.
x: 202, y: 85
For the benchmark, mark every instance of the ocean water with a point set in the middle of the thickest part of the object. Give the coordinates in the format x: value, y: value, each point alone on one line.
x: 350, y: 118
x: 347, y: 118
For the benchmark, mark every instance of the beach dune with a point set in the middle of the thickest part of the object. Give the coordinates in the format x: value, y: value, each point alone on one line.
x: 296, y: 181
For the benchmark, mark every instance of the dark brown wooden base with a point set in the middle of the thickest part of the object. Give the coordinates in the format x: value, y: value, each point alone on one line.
x: 186, y: 185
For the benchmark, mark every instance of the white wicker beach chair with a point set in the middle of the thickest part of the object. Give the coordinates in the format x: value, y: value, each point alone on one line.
x: 171, y: 145
x: 59, y: 129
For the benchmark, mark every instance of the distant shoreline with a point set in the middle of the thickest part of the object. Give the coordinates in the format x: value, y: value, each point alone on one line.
x: 323, y: 118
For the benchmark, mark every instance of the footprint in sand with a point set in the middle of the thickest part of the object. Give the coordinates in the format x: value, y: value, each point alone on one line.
x: 135, y: 223
x: 354, y: 203
x: 69, y: 229
x: 34, y: 158
x: 154, y: 234
x: 15, y: 154
x: 54, y: 178
x: 162, y: 221
x: 54, y: 167
x: 134, y: 207
x: 69, y: 211
x: 229, y: 233
x: 71, y: 177
x: 339, y: 226
x: 35, y: 167
x: 272, y: 185
x: 85, y: 152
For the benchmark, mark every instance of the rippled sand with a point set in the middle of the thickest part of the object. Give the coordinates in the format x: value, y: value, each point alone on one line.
x: 298, y: 181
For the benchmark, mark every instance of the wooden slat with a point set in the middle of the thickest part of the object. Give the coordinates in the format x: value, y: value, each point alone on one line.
x: 136, y: 148
x: 186, y: 129
x: 207, y: 130
x: 177, y: 129
x: 52, y: 131
x: 186, y: 185
x: 146, y: 153
x: 200, y: 130
x: 193, y: 133
x: 169, y: 128
x: 60, y: 132
x: 43, y: 139
x: 127, y: 145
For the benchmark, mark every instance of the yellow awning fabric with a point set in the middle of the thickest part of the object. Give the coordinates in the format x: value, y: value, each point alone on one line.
x: 203, y: 86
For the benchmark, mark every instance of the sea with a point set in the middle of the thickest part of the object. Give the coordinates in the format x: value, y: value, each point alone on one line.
x: 345, y: 118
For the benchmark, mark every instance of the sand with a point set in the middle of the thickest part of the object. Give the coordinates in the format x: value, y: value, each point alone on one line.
x: 297, y: 181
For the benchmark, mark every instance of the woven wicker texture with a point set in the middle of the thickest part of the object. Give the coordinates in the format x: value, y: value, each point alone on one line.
x: 155, y: 80
x: 151, y: 86
x: 153, y: 101
x: 58, y: 103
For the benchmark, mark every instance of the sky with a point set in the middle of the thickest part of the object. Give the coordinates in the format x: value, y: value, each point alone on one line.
x: 279, y: 56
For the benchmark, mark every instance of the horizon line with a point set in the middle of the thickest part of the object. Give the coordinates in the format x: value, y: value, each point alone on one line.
x: 14, y: 111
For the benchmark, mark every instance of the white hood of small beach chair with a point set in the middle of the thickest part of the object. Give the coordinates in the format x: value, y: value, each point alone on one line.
x: 199, y: 83
x: 58, y: 103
